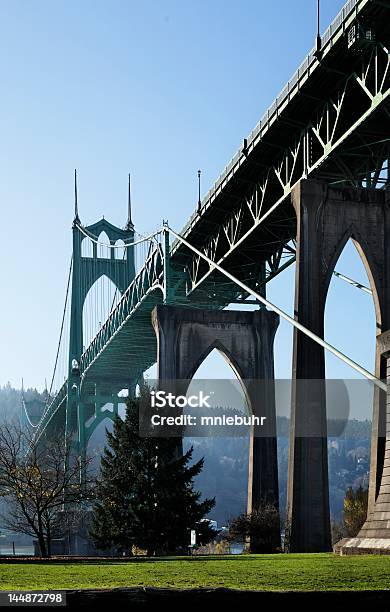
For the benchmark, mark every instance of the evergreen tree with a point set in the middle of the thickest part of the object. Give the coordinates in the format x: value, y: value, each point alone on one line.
x: 145, y: 494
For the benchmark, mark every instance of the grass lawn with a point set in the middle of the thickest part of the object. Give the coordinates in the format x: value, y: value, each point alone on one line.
x: 264, y: 572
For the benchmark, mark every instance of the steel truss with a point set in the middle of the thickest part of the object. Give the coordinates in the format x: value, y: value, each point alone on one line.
x: 342, y: 144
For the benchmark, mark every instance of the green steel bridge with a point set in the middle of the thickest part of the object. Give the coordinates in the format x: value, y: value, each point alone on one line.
x: 330, y: 123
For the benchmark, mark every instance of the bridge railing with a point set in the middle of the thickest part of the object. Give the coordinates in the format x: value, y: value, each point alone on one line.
x: 303, y: 68
x: 148, y: 278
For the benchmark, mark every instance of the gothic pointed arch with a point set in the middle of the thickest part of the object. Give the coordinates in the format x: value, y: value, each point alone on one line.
x: 86, y: 247
x: 362, y: 247
x: 220, y: 346
x: 99, y: 301
x: 185, y: 336
x: 120, y: 249
x: 104, y: 246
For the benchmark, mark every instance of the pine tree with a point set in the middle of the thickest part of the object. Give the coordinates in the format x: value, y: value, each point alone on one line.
x: 145, y: 495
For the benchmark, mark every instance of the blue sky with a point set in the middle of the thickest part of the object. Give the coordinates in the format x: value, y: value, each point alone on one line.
x: 159, y: 89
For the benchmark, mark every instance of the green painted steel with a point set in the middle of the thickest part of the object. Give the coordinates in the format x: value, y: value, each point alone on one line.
x: 86, y: 271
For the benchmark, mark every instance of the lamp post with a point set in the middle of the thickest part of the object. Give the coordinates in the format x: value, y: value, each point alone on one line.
x: 199, y: 201
x: 318, y: 51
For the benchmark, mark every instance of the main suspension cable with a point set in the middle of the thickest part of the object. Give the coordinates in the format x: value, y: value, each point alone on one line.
x: 117, y: 246
x: 62, y: 326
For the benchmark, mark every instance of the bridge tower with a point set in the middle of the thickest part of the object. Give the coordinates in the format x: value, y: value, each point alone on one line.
x: 87, y: 268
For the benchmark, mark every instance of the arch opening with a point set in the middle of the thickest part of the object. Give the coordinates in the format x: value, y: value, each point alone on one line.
x: 97, y: 442
x: 120, y: 251
x: 350, y: 313
x: 109, y: 407
x: 350, y: 325
x: 86, y: 247
x: 100, y: 300
x: 347, y: 255
x: 104, y: 246
x: 225, y: 472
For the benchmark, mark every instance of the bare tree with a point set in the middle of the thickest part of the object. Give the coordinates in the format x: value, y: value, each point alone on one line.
x: 40, y: 484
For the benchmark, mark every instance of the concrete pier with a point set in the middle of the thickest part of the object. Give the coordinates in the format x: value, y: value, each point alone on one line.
x: 327, y: 217
x: 186, y: 336
x: 374, y: 537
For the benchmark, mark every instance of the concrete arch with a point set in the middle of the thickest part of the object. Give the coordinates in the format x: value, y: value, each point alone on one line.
x: 245, y: 384
x: 364, y: 252
x: 185, y: 337
x: 221, y: 348
x: 326, y: 218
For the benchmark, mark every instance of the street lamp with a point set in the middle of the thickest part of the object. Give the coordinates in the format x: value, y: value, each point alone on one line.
x: 318, y: 51
x: 199, y: 201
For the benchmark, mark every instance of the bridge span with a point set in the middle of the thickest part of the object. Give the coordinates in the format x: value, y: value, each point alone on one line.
x: 313, y: 173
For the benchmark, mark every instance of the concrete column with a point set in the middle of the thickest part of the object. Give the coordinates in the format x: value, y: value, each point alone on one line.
x: 326, y: 218
x: 308, y: 516
x: 184, y: 339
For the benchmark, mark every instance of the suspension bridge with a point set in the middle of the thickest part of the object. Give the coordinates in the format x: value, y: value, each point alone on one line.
x: 312, y: 174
